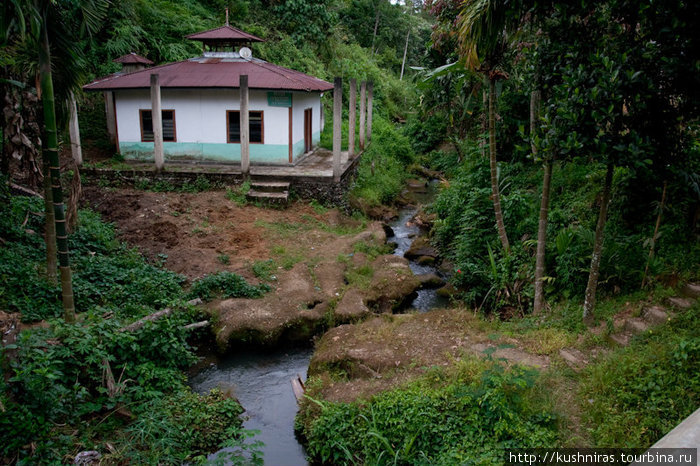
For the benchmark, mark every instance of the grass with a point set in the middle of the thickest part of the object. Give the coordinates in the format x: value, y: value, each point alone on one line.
x: 360, y: 277
x: 238, y: 193
x: 287, y: 230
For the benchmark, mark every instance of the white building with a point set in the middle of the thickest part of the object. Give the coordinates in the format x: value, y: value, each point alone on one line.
x: 200, y: 105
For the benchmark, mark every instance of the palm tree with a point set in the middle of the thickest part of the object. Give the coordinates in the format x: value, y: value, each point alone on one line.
x: 485, y: 28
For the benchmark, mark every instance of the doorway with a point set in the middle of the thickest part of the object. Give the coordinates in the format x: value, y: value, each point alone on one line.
x: 307, y: 129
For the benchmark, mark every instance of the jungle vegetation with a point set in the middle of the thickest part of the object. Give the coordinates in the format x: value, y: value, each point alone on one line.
x: 566, y: 136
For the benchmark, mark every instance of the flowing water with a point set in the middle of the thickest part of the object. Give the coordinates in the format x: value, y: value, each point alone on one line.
x: 261, y: 381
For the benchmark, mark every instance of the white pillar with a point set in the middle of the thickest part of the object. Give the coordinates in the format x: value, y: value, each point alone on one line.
x: 337, y: 126
x: 110, y: 117
x: 370, y: 98
x: 157, y: 119
x: 363, y: 113
x: 245, y: 127
x: 74, y: 130
x: 351, y: 115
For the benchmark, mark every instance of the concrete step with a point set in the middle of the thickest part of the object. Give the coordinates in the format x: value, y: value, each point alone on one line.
x: 691, y: 290
x: 267, y: 196
x: 573, y: 357
x: 270, y: 186
x: 655, y: 315
x: 620, y: 339
x: 680, y: 303
x: 636, y: 325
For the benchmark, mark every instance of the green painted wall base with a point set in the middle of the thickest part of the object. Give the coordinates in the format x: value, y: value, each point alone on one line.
x: 212, y: 152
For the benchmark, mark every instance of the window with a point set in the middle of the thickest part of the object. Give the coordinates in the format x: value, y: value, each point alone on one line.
x: 147, y: 125
x: 256, y: 126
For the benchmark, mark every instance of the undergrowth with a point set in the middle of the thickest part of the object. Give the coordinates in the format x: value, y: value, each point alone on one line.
x: 467, y: 416
x: 93, y: 385
x: 225, y: 285
x: 637, y: 395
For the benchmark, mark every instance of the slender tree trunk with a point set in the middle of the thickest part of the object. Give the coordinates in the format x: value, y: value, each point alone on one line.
x: 376, y: 26
x: 495, y: 194
x: 49, y: 227
x: 405, y: 51
x: 535, y: 97
x: 589, y: 303
x: 542, y: 238
x: 51, y: 155
x: 484, y: 115
x: 656, y: 233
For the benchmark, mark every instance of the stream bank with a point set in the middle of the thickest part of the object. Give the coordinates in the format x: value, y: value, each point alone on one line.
x: 260, y: 379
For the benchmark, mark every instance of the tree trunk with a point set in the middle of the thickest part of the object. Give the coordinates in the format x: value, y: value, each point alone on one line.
x: 589, y: 303
x: 376, y: 26
x: 405, y: 51
x: 495, y: 194
x: 535, y: 98
x: 484, y: 116
x: 51, y: 156
x: 49, y: 227
x: 656, y: 233
x: 542, y: 238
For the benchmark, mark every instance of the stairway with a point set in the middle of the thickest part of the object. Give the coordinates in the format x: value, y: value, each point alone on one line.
x: 269, y: 191
x: 656, y: 315
x: 627, y: 328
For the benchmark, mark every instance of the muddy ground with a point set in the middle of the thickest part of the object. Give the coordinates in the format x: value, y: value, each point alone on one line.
x: 316, y: 260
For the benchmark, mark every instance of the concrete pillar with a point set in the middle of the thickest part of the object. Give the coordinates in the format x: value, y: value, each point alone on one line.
x: 370, y: 98
x: 74, y: 130
x: 157, y: 119
x: 322, y: 115
x: 110, y: 116
x: 363, y: 113
x: 337, y: 126
x: 351, y: 115
x: 245, y: 127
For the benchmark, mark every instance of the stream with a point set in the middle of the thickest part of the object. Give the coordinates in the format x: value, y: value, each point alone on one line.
x: 260, y: 380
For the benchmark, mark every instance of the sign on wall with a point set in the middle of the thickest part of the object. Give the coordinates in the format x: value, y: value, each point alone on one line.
x: 279, y: 99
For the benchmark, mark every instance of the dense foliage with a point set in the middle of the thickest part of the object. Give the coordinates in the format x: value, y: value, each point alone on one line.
x: 613, y: 98
x: 71, y: 387
x: 470, y: 416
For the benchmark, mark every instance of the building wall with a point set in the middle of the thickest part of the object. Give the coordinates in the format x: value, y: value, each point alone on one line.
x: 200, y: 125
x: 302, y: 101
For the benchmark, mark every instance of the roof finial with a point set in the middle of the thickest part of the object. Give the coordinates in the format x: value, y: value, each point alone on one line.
x: 226, y: 16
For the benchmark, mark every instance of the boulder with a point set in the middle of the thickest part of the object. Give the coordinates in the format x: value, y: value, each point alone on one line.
x: 351, y: 306
x: 393, y: 284
x: 425, y: 260
x: 447, y: 291
x: 430, y: 280
x: 417, y: 186
x: 420, y: 247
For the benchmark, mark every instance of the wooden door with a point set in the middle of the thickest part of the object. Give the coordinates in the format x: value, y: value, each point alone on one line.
x: 307, y: 129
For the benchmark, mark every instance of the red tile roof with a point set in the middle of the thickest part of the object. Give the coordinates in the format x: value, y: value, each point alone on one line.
x: 214, y: 73
x: 132, y: 58
x: 224, y: 33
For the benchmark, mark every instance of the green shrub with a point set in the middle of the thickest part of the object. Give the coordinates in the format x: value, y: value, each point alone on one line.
x: 182, y: 427
x: 382, y: 170
x: 225, y: 285
x: 435, y: 420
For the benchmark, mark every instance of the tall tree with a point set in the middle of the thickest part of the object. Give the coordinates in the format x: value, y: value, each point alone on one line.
x: 485, y: 28
x: 48, y: 27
